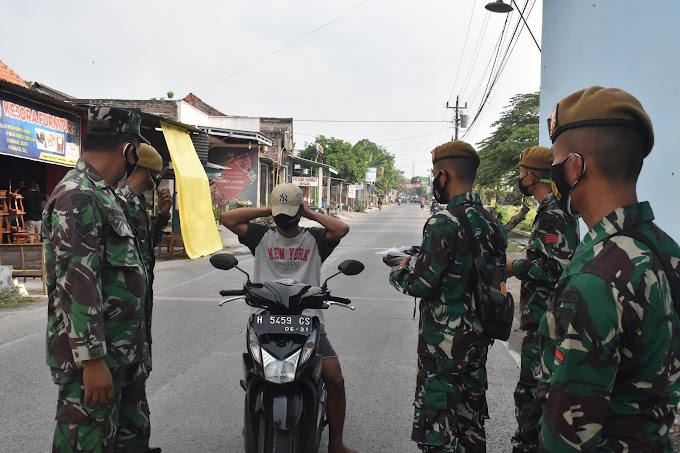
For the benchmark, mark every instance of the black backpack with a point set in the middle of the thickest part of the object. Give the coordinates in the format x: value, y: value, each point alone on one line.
x: 494, y: 305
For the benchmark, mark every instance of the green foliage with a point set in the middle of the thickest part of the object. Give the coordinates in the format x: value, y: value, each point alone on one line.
x: 352, y: 161
x: 13, y: 299
x: 516, y: 130
x: 507, y: 212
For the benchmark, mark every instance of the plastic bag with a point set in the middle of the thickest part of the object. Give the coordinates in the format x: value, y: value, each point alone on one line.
x: 395, y: 256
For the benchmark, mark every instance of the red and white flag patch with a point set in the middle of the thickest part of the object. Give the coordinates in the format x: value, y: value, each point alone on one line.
x: 559, y: 355
x: 551, y: 239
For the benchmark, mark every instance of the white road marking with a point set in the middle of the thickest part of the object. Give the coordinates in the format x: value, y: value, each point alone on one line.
x: 515, y: 356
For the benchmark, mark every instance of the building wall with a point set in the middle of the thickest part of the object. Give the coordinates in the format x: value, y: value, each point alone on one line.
x: 189, y: 114
x: 280, y: 130
x: 623, y: 44
x: 166, y: 108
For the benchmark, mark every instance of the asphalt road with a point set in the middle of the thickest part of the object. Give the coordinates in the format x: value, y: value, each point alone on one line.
x: 195, y: 397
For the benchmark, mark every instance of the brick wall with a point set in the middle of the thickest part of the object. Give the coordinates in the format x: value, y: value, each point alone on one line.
x: 167, y: 108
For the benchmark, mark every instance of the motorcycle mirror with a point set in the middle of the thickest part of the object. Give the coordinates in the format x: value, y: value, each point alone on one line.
x: 224, y: 261
x: 351, y: 267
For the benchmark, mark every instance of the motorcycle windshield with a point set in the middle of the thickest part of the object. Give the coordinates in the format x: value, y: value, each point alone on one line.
x: 287, y: 296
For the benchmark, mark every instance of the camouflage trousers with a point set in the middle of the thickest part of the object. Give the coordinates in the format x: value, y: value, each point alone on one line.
x: 450, y: 405
x: 528, y: 408
x: 122, y: 426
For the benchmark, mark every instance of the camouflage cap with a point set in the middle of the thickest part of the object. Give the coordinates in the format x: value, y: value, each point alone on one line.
x: 149, y: 158
x: 536, y: 158
x: 456, y: 149
x: 113, y: 119
x: 597, y: 106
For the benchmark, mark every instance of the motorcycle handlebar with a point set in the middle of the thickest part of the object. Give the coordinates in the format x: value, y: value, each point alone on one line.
x: 340, y: 300
x: 232, y: 292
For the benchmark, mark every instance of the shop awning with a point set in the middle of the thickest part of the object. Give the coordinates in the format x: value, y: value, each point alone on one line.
x: 199, y: 232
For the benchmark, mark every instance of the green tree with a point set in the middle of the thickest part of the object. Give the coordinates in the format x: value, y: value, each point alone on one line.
x: 352, y: 161
x: 515, y: 130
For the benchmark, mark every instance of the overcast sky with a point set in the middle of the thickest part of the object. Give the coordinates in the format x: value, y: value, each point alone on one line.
x: 382, y: 60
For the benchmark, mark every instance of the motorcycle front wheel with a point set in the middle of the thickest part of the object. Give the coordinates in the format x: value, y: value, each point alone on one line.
x: 274, y: 440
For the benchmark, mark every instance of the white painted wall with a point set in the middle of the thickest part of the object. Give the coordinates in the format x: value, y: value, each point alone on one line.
x: 189, y: 114
x: 628, y: 44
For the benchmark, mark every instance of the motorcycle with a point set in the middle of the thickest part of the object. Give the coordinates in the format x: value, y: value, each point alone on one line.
x: 435, y: 208
x: 422, y: 205
x: 285, y: 396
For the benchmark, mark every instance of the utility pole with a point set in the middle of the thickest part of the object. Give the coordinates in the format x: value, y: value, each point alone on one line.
x: 458, y: 120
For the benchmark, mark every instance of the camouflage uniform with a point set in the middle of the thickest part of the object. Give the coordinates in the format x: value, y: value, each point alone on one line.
x: 554, y: 238
x: 97, y: 285
x: 450, y: 398
x: 614, y: 334
x: 149, y: 234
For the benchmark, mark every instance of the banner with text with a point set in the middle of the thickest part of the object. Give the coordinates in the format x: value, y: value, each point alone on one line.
x: 37, y: 132
x: 306, y: 181
x: 371, y: 174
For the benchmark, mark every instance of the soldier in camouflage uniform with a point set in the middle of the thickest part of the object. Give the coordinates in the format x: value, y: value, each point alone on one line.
x: 97, y: 285
x: 450, y: 399
x: 554, y: 237
x: 612, y: 327
x: 146, y: 176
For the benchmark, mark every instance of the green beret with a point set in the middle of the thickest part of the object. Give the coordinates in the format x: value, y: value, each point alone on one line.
x: 597, y: 106
x: 536, y: 158
x: 455, y: 150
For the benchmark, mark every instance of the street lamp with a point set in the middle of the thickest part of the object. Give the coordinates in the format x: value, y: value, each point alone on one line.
x: 499, y: 6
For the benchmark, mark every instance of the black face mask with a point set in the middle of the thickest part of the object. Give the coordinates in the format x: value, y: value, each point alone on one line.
x: 438, y: 190
x: 286, y: 222
x: 525, y: 189
x: 562, y: 189
x: 130, y: 153
x: 156, y: 179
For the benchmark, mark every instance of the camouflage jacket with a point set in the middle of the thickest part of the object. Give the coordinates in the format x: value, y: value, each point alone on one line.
x: 96, y: 279
x: 554, y: 237
x: 444, y: 278
x: 614, y: 336
x: 149, y: 234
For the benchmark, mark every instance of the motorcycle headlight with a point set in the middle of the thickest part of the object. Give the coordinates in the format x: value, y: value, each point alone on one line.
x: 254, y: 345
x: 279, y: 371
x: 309, y: 347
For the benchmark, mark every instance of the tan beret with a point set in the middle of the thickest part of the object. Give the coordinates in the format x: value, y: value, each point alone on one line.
x: 149, y: 158
x: 454, y: 150
x: 536, y: 158
x: 597, y: 106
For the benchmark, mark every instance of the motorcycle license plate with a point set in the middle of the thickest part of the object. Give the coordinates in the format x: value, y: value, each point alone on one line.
x: 284, y: 323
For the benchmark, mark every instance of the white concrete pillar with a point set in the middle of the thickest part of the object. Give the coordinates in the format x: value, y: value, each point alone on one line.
x: 320, y: 191
x: 5, y: 279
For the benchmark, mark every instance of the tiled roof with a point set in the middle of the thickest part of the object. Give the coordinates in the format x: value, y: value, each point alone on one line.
x: 10, y: 76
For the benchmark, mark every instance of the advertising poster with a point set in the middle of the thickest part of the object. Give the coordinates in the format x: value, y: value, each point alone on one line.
x: 37, y: 132
x: 239, y: 180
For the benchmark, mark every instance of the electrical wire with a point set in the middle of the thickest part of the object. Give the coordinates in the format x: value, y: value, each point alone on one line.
x: 493, y: 79
x: 368, y: 121
x: 478, y: 47
x: 460, y: 63
x: 462, y: 55
x: 222, y: 79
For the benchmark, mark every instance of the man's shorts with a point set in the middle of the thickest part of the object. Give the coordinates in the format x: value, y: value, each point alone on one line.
x: 325, y: 349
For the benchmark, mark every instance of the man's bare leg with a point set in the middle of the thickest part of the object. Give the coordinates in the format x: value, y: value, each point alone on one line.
x: 335, y: 404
